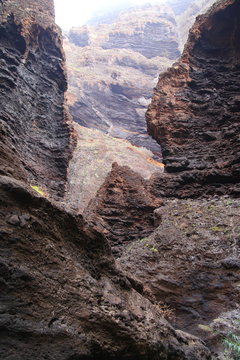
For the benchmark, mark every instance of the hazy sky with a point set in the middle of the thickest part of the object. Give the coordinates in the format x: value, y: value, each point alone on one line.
x: 76, y: 12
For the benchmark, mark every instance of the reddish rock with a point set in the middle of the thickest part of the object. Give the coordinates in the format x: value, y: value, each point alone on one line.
x: 123, y: 207
x: 191, y: 261
x: 61, y: 295
x: 194, y: 114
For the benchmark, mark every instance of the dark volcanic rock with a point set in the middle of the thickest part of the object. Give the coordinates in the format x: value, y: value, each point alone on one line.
x: 191, y: 262
x: 63, y: 298
x: 92, y: 160
x: 123, y: 208
x: 36, y: 142
x: 61, y: 295
x: 187, y: 18
x: 194, y: 114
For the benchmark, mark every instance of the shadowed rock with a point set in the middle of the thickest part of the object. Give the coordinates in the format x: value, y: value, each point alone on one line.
x: 35, y: 134
x: 123, y: 207
x: 61, y: 296
x: 195, y: 110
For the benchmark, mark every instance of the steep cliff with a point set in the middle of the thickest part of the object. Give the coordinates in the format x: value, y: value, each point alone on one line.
x: 62, y: 296
x: 123, y: 208
x: 191, y: 260
x: 187, y: 18
x: 36, y: 142
x: 112, y: 69
x: 194, y: 114
x: 113, y: 64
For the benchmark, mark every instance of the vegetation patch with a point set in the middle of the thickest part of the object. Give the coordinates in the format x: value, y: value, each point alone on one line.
x: 38, y: 190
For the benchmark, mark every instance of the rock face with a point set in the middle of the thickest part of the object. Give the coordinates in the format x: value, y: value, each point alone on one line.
x: 32, y: 106
x: 186, y: 18
x: 192, y: 260
x: 113, y: 64
x: 123, y: 208
x: 151, y: 38
x: 61, y: 296
x: 112, y: 69
x: 92, y: 161
x: 194, y: 114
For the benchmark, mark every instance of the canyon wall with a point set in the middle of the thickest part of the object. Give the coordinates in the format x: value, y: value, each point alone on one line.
x: 191, y: 259
x: 186, y: 18
x: 62, y: 296
x: 112, y: 69
x: 194, y: 114
x: 113, y: 63
x: 36, y: 142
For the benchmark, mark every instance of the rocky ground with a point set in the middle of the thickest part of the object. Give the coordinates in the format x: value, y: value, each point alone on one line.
x: 191, y: 262
x: 62, y: 296
x: 147, y: 250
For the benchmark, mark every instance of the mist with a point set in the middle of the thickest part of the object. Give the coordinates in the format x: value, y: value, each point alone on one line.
x: 76, y: 13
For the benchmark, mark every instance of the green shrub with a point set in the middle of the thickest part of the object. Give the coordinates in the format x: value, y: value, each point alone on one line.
x: 232, y: 346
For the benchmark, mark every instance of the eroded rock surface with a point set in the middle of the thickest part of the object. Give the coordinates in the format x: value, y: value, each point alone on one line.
x: 61, y: 296
x: 192, y: 260
x: 123, y: 207
x: 92, y: 161
x: 35, y: 136
x: 186, y: 18
x: 194, y: 114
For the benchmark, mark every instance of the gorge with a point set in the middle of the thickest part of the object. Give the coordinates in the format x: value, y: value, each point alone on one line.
x: 141, y: 262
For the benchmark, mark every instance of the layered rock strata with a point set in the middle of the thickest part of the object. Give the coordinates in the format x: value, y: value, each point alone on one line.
x: 194, y: 114
x: 123, y: 208
x: 112, y: 69
x: 114, y: 62
x: 186, y: 18
x: 191, y: 262
x: 62, y: 296
x: 36, y: 142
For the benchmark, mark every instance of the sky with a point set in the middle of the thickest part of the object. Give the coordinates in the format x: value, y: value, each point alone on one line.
x: 76, y: 12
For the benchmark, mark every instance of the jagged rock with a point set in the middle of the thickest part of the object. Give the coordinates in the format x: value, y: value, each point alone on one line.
x: 92, y: 161
x: 191, y: 261
x: 32, y: 96
x: 195, y: 110
x: 186, y: 18
x: 123, y: 208
x: 61, y: 296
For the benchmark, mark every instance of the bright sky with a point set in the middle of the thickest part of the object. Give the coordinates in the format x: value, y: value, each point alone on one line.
x: 76, y: 12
